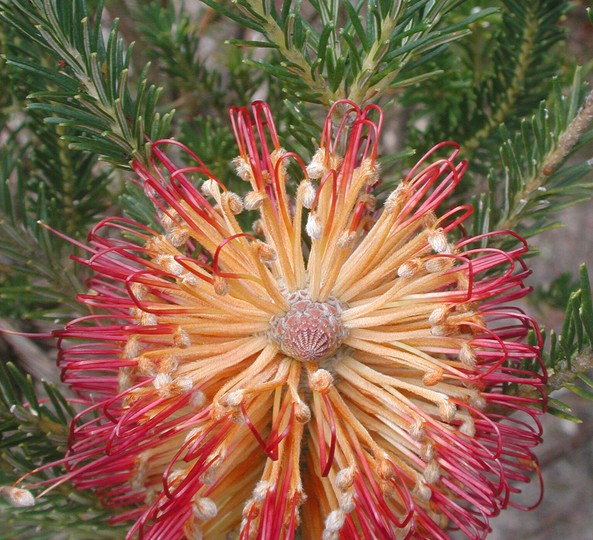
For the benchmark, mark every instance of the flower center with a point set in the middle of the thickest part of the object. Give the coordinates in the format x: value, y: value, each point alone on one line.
x: 309, y: 331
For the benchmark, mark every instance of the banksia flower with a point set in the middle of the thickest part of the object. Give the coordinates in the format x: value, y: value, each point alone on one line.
x: 346, y: 369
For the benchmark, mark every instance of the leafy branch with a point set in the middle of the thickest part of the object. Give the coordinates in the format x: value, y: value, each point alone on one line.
x: 87, y: 86
x: 569, y: 358
x: 34, y: 434
x: 33, y: 283
x: 360, y: 51
x: 529, y: 30
x: 532, y: 182
x: 498, y: 75
x: 172, y: 39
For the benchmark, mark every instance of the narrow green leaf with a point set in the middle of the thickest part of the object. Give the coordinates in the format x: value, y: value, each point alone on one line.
x: 580, y: 391
x: 64, y: 82
x: 586, y: 310
x: 8, y: 395
x: 563, y: 415
x: 354, y: 19
x: 243, y: 21
x: 587, y: 380
x: 26, y: 385
x: 251, y: 43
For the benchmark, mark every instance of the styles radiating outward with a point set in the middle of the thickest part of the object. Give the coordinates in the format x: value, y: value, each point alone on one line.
x: 346, y: 368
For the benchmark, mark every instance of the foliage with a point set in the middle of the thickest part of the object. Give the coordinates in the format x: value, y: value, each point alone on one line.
x: 569, y: 357
x: 33, y: 283
x: 354, y: 50
x: 34, y: 432
x: 533, y: 180
x: 497, y: 76
x: 86, y: 82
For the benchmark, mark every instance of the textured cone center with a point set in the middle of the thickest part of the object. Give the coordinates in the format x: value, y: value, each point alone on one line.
x: 309, y: 331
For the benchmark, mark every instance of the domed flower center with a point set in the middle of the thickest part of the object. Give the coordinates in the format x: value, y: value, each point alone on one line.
x: 309, y: 331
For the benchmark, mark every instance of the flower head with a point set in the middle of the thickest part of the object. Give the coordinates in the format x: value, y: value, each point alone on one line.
x: 343, y: 369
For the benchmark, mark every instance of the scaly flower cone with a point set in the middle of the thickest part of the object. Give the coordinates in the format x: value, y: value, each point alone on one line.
x: 352, y: 381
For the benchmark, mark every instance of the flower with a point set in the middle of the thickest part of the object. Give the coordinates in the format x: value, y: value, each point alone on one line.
x: 342, y: 370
